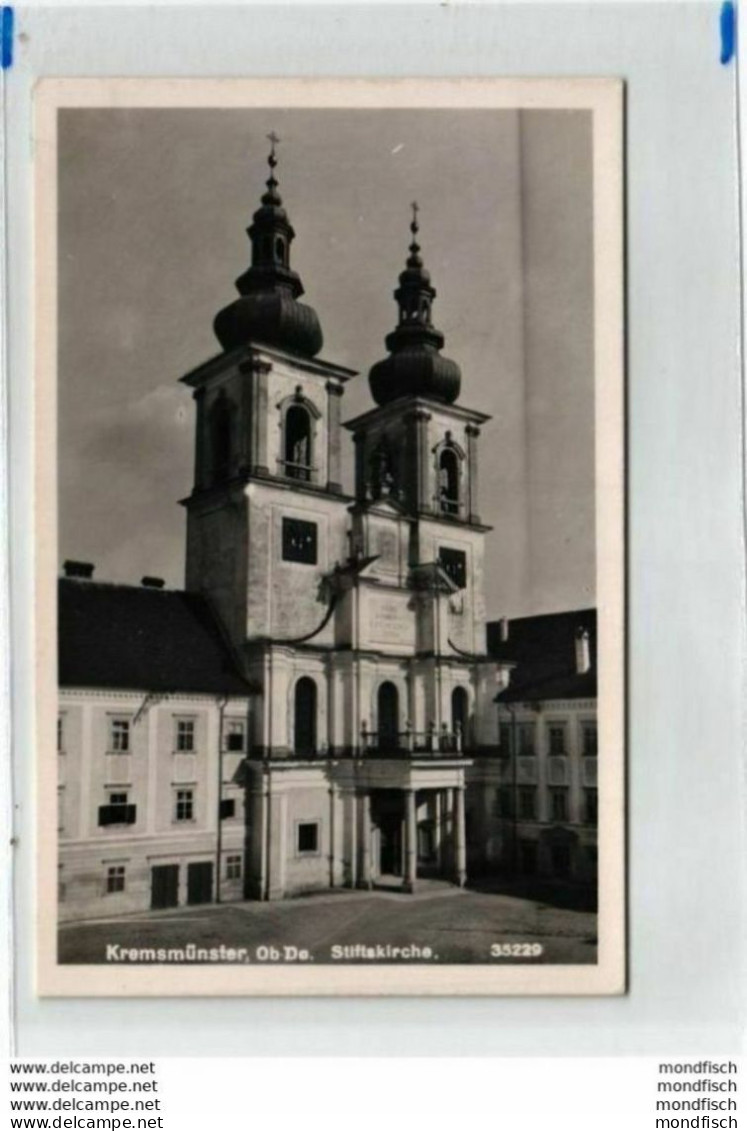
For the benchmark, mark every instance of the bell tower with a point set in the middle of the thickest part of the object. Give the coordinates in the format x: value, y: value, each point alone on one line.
x: 267, y: 517
x: 417, y: 452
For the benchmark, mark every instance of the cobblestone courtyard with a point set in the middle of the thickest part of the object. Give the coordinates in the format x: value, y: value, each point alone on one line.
x: 458, y: 926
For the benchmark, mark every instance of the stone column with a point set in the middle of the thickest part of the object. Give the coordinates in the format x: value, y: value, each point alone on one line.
x: 201, y: 478
x: 411, y: 841
x: 334, y: 475
x: 359, y: 439
x: 438, y: 829
x: 460, y: 837
x: 257, y: 371
x: 364, y: 880
x: 424, y: 500
x: 472, y: 432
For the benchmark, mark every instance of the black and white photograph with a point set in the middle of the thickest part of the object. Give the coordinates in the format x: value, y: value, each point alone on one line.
x: 330, y: 494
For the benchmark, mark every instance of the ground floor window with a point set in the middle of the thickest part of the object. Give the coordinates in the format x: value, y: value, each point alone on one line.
x: 307, y: 838
x: 115, y: 878
x: 233, y: 867
x: 504, y: 802
x: 560, y: 858
x: 528, y: 857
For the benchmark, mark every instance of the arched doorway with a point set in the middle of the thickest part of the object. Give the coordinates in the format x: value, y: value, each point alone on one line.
x: 304, y: 729
x: 460, y: 713
x: 388, y: 716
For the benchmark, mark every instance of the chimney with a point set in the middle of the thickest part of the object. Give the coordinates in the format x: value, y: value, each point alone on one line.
x: 83, y: 571
x: 503, y: 629
x: 152, y: 582
x: 583, y: 657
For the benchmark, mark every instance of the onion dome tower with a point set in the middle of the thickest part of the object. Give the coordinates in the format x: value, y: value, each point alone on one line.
x: 415, y: 366
x: 268, y: 309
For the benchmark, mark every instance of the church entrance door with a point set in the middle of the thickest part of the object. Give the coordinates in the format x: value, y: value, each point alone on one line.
x: 388, y: 815
x: 390, y: 862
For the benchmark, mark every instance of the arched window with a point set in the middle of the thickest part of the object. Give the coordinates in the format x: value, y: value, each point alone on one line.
x: 220, y: 439
x: 460, y: 713
x: 280, y: 250
x: 304, y: 728
x: 388, y: 716
x: 448, y: 481
x: 297, y: 445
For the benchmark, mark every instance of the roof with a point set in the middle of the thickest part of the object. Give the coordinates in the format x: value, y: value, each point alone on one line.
x: 123, y: 636
x: 543, y: 648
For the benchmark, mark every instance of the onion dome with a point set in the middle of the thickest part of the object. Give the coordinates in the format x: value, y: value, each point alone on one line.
x: 268, y: 309
x: 415, y: 367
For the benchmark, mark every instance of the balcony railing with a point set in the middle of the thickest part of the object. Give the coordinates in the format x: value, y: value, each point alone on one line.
x: 431, y: 742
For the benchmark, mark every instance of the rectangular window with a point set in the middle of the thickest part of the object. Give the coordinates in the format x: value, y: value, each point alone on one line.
x: 504, y: 739
x: 590, y: 806
x: 233, y: 867
x: 227, y: 808
x: 235, y: 735
x: 559, y: 804
x: 454, y: 565
x: 307, y: 838
x: 185, y: 805
x: 184, y: 738
x: 525, y: 739
x: 557, y: 739
x: 299, y: 541
x: 115, y: 878
x: 504, y: 802
x: 119, y: 736
x: 527, y: 803
x: 589, y: 740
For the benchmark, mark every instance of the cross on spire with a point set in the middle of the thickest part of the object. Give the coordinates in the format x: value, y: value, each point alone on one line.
x: 414, y: 227
x: 272, y: 160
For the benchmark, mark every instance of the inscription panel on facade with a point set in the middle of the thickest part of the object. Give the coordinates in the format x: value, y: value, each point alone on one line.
x: 388, y: 621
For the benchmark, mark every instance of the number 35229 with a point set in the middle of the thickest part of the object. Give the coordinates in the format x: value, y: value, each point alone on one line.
x: 516, y: 950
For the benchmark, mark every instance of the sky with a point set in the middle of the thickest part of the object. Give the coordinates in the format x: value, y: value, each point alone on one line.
x: 153, y: 207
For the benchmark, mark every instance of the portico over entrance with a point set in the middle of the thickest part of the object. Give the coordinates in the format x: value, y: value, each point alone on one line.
x: 411, y: 826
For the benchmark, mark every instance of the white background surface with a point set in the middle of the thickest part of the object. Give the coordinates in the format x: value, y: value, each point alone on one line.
x: 686, y: 770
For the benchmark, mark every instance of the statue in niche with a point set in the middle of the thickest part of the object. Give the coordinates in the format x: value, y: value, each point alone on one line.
x: 382, y: 480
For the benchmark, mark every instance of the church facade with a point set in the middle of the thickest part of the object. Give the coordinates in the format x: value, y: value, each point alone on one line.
x: 318, y: 708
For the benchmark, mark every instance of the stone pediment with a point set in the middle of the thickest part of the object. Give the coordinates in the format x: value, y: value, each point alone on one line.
x: 388, y: 507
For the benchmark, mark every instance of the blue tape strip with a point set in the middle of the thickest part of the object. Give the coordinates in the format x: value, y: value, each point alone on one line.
x: 6, y: 38
x: 728, y: 30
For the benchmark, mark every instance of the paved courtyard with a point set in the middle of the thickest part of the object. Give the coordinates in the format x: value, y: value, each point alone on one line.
x: 458, y: 926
